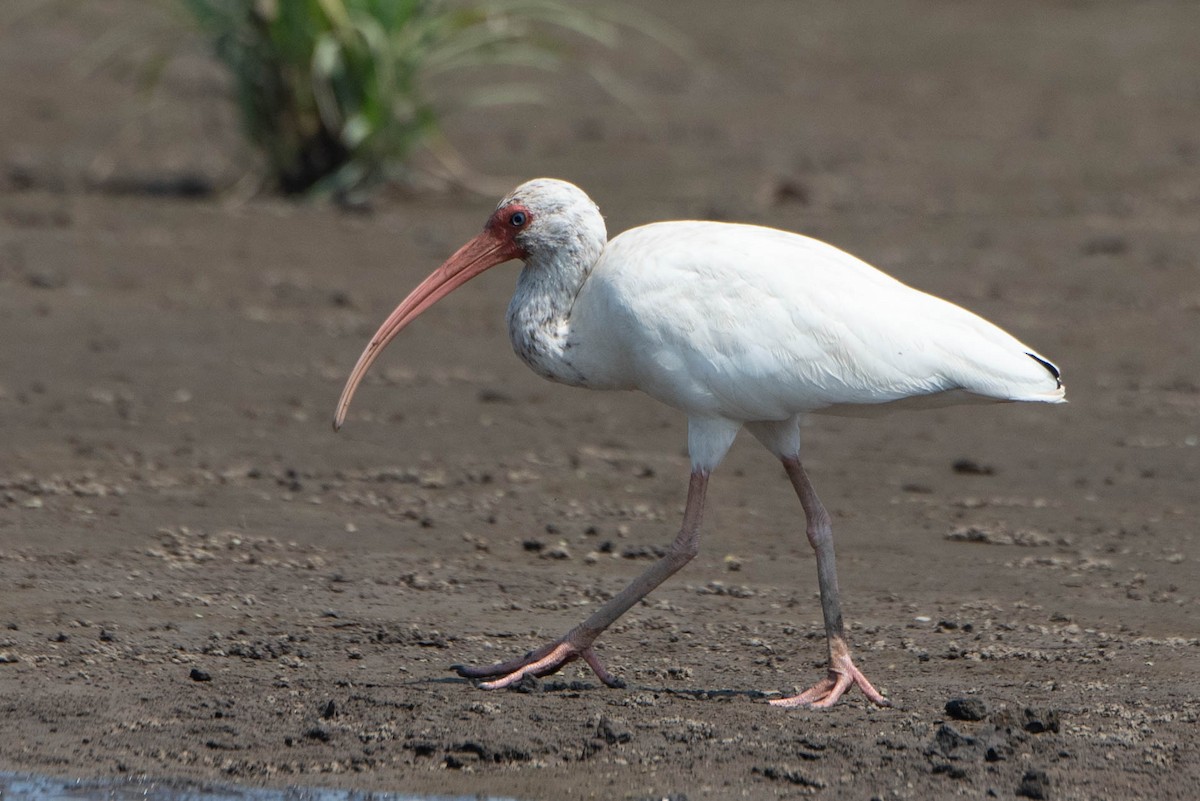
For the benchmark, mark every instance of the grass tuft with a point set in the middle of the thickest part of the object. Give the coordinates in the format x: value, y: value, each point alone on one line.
x: 332, y: 91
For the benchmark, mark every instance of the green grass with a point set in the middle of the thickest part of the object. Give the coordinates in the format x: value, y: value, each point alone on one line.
x: 333, y: 92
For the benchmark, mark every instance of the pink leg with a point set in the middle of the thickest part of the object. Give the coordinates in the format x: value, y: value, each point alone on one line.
x: 577, y: 643
x: 842, y: 672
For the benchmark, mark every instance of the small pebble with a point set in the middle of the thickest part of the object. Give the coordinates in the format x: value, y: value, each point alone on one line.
x: 558, y: 551
x: 970, y: 467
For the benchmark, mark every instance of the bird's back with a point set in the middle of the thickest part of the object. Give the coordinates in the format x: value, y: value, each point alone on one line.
x: 752, y: 323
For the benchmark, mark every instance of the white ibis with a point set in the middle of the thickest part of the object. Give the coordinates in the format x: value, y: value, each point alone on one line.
x: 736, y: 326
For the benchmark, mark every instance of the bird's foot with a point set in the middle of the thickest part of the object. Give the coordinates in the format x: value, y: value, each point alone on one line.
x: 842, y: 676
x: 542, y: 661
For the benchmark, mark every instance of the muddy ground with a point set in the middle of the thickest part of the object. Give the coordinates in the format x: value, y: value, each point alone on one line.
x: 200, y: 580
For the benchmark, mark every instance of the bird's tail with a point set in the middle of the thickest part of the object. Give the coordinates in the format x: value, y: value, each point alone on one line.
x: 1049, y: 394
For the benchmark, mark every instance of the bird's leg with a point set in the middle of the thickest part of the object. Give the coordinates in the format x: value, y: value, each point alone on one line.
x: 577, y: 643
x: 842, y: 672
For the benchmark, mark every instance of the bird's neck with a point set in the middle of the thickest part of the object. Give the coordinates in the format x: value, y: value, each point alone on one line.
x: 539, y: 316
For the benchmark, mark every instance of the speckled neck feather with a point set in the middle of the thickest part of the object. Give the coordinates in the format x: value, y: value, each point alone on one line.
x: 564, y: 241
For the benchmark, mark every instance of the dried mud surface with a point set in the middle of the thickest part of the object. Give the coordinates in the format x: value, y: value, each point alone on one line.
x: 200, y: 581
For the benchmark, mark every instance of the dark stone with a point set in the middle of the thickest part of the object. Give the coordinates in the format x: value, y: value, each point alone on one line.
x: 45, y: 279
x: 1034, y: 784
x: 318, y: 733
x: 341, y: 299
x: 784, y: 774
x: 486, y: 753
x: 610, y: 735
x: 422, y: 749
x: 966, y: 709
x: 643, y: 552
x: 199, y: 675
x: 1039, y: 720
x: 790, y: 191
x: 221, y: 745
x: 953, y: 771
x: 494, y: 396
x: 947, y: 740
x: 970, y: 467
x: 527, y: 684
x: 997, y: 752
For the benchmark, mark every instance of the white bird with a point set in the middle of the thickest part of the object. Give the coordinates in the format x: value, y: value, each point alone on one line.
x: 736, y: 326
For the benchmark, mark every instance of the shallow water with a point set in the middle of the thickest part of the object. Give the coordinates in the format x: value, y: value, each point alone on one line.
x: 31, y: 787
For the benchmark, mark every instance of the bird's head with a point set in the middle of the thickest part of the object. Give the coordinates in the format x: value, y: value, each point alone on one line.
x: 538, y: 219
x: 546, y: 216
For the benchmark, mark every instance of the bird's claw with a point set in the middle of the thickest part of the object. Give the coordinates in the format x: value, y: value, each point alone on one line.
x: 842, y: 676
x: 540, y: 662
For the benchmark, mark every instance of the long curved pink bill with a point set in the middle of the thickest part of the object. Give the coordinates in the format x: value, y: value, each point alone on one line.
x: 481, y: 253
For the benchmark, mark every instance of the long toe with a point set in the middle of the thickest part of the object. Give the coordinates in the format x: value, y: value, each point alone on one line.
x: 543, y: 661
x: 504, y: 668
x: 828, y: 690
x: 822, y: 694
x: 593, y: 661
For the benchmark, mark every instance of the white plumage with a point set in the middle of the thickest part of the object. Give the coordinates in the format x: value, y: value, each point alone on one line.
x: 736, y: 326
x: 747, y: 323
x: 751, y: 323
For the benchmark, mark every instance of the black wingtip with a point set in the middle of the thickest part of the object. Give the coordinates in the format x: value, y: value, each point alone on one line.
x: 1050, y: 367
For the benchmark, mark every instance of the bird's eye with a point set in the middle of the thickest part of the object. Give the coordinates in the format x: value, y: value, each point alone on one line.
x: 518, y: 219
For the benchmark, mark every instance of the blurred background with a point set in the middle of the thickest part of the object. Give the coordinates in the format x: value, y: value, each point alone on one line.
x: 207, y: 207
x: 202, y: 95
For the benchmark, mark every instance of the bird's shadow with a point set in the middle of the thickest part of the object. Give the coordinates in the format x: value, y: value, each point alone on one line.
x: 531, y: 685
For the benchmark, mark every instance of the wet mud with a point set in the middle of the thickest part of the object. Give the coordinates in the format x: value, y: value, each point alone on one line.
x: 200, y: 581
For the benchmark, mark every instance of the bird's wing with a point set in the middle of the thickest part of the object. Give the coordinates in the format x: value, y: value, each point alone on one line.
x: 753, y: 324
